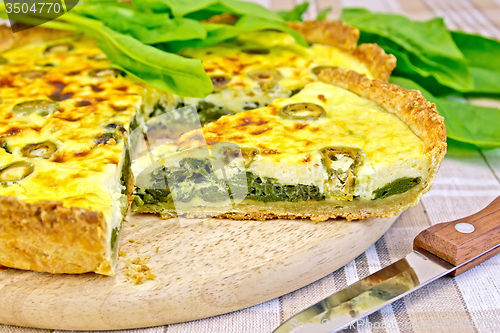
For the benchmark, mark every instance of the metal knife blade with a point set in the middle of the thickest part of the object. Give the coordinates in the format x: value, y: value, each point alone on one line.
x: 345, y: 308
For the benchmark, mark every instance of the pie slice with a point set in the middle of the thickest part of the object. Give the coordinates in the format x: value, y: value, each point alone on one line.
x: 64, y: 165
x: 346, y: 147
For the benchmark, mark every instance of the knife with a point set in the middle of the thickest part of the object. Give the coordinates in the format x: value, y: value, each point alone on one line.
x: 445, y: 248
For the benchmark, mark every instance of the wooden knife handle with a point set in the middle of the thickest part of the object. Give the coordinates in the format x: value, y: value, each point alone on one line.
x: 459, y: 241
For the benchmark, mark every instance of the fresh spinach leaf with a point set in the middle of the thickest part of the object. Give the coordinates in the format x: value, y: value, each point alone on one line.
x: 217, y: 33
x: 322, y: 15
x: 480, y: 51
x: 467, y: 123
x: 170, y: 72
x: 428, y: 43
x: 186, y: 7
x: 294, y: 14
x: 483, y: 56
x: 146, y: 27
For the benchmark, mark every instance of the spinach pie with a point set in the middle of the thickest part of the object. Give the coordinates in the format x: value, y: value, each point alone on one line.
x: 66, y: 118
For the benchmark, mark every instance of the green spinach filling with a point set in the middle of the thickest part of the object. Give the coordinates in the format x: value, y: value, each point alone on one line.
x: 114, y: 238
x: 398, y: 186
x: 126, y: 172
x: 5, y: 146
x: 268, y: 190
x: 196, y: 178
x: 208, y: 112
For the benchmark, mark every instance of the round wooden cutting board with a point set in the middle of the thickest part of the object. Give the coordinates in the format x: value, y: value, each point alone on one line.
x: 188, y: 272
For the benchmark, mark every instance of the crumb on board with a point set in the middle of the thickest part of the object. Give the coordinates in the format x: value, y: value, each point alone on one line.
x: 122, y: 253
x: 157, y: 249
x: 137, y: 271
x: 131, y: 241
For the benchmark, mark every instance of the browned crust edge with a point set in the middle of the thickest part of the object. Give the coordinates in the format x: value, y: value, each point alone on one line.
x: 378, y: 62
x: 46, y: 236
x: 345, y: 37
x: 408, y: 105
x: 10, y: 40
x: 333, y: 33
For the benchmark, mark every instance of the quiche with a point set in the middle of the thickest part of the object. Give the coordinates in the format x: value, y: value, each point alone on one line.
x: 347, y: 146
x: 67, y: 118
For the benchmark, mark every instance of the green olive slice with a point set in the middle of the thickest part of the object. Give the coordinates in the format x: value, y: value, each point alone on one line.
x: 248, y: 155
x: 31, y: 75
x: 58, y: 48
x: 42, y: 149
x: 42, y: 107
x: 219, y: 81
x: 316, y: 70
x: 105, y: 72
x: 341, y: 177
x: 16, y: 171
x: 302, y: 111
x: 267, y: 78
x: 98, y: 57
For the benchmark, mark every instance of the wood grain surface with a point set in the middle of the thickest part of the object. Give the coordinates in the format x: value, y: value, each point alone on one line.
x: 188, y: 272
x: 444, y: 241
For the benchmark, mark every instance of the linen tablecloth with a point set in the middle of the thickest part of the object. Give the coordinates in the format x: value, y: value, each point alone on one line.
x: 468, y: 180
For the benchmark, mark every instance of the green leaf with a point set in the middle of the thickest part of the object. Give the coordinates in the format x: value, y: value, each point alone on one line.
x: 148, y: 28
x: 322, y: 15
x: 483, y: 56
x: 426, y: 43
x: 294, y: 14
x: 170, y: 72
x: 467, y: 123
x: 217, y: 33
x: 185, y: 7
x: 486, y: 81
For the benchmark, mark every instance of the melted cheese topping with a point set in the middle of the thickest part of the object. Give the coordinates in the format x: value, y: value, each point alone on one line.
x: 290, y: 149
x: 85, y: 170
x: 294, y: 63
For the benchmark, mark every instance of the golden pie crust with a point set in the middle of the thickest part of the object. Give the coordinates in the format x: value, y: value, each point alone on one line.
x: 45, y: 236
x: 9, y: 40
x: 345, y: 37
